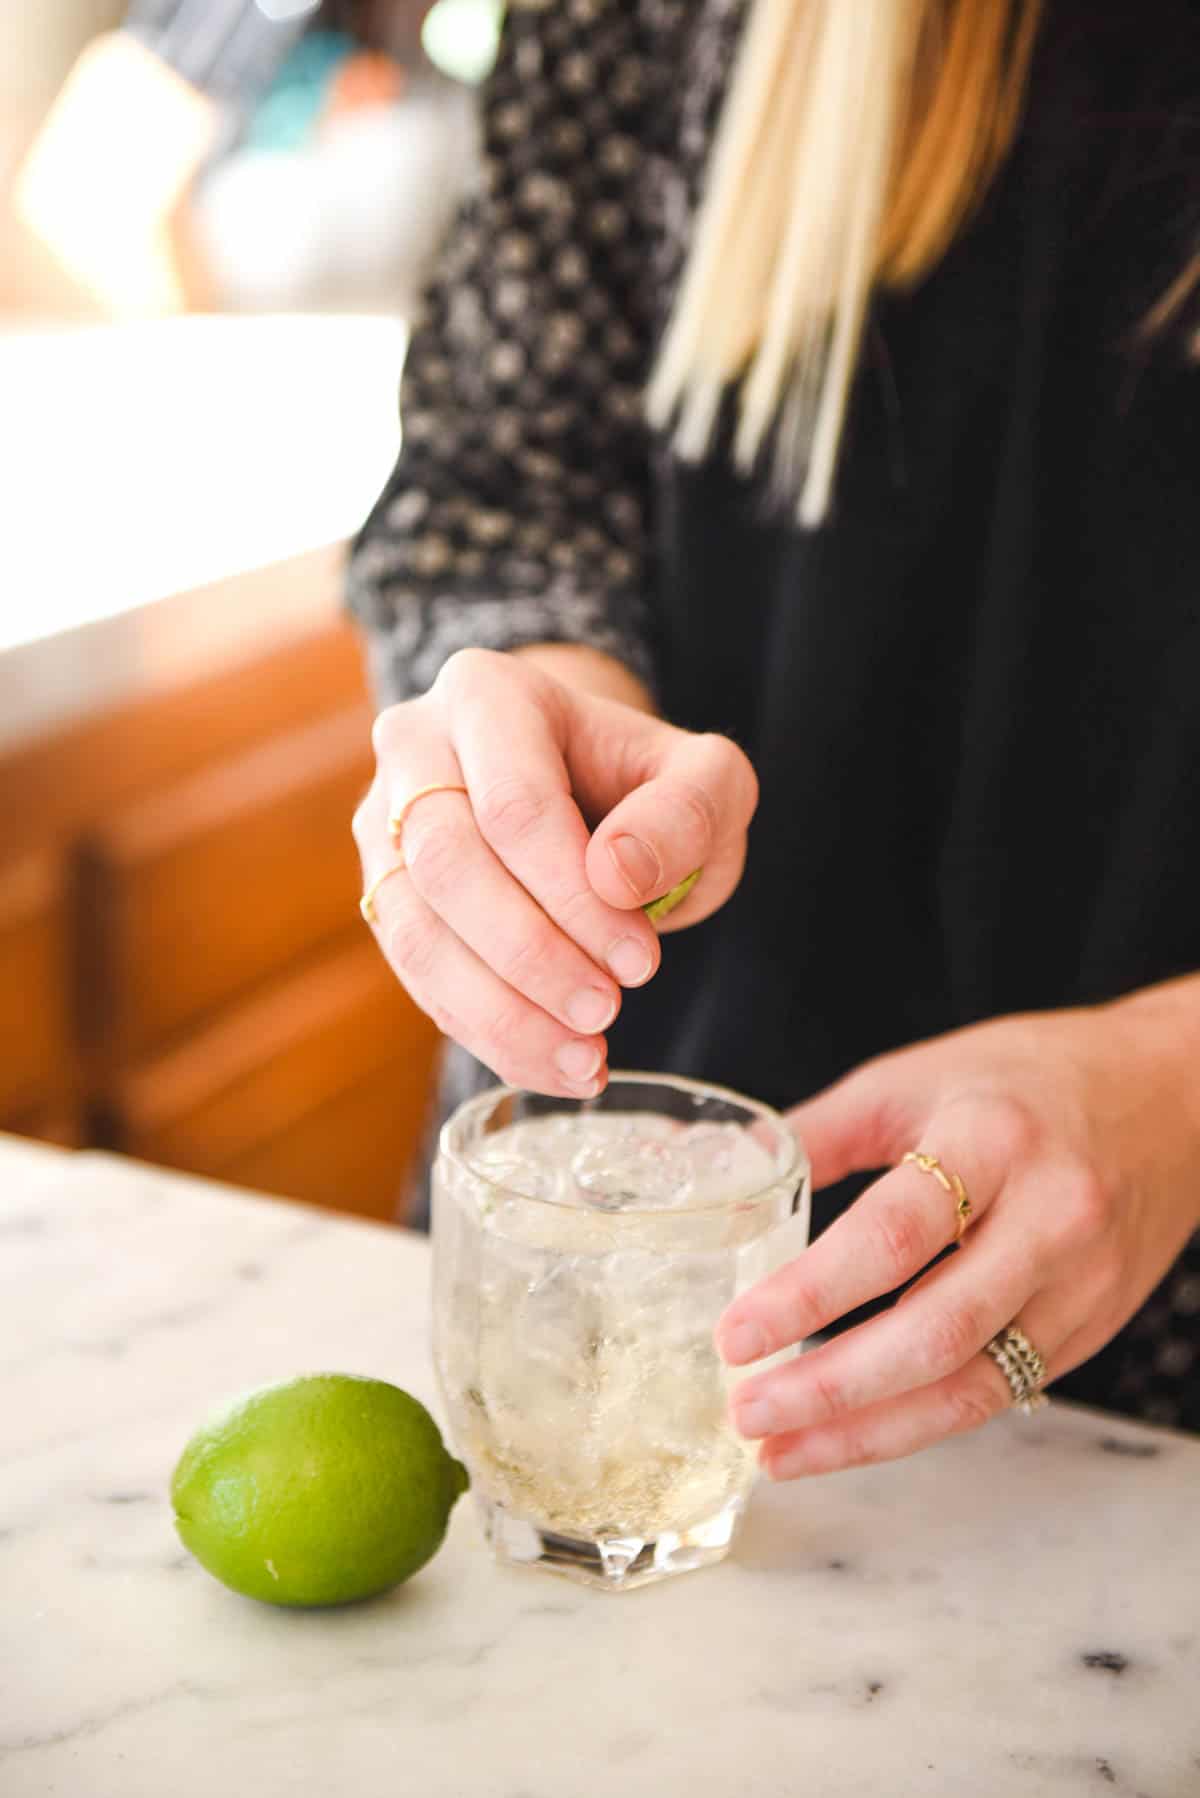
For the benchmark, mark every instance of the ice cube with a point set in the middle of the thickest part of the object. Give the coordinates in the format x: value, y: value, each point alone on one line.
x: 724, y: 1162
x: 635, y: 1172
x: 624, y: 1161
x: 501, y: 1163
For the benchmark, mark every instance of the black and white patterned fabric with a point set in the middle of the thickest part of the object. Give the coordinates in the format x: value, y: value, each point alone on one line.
x: 517, y: 512
x: 1156, y: 1376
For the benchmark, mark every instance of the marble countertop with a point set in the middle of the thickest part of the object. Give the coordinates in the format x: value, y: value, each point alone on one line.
x: 1014, y: 1614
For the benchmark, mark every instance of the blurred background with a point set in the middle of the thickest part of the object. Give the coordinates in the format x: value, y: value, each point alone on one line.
x: 215, y: 216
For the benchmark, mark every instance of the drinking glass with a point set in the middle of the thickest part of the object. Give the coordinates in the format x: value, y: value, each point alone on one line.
x: 583, y: 1252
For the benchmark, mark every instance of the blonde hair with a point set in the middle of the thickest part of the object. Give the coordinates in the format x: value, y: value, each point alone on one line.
x: 856, y: 138
x: 1168, y: 307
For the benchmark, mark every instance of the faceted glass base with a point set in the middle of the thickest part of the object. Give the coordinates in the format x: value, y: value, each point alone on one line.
x: 612, y: 1563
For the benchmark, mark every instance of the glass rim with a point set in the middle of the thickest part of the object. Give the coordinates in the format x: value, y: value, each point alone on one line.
x: 797, y: 1169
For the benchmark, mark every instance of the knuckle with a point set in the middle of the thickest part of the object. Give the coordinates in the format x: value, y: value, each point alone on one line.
x: 527, y: 956
x: 737, y: 771
x: 828, y: 1398
x: 697, y: 803
x: 875, y: 1094
x: 446, y: 1021
x: 1083, y: 1203
x: 411, y: 948
x: 573, y: 907
x: 435, y: 861
x: 360, y: 823
x: 858, y: 1449
x: 949, y: 1339
x: 900, y: 1233
x: 461, y: 672
x: 510, y: 810
x: 386, y: 731
x: 970, y: 1404
x: 1011, y: 1129
x: 1108, y: 1272
x: 507, y: 1039
x: 748, y: 788
x: 806, y: 1310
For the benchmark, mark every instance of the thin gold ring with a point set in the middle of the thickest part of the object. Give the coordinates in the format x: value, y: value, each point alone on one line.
x: 951, y: 1183
x: 396, y: 821
x: 366, y: 904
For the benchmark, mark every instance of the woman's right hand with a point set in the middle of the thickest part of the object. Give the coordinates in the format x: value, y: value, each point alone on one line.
x: 513, y: 925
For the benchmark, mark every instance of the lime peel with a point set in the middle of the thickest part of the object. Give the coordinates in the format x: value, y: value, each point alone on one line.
x: 658, y: 909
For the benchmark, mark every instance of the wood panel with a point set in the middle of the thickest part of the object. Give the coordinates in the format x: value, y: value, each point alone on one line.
x: 59, y: 1129
x: 57, y: 785
x: 265, y: 1095
x: 36, y: 1055
x: 196, y: 894
x: 352, y: 1154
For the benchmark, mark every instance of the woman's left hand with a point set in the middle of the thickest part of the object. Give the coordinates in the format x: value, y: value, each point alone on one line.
x: 1077, y: 1136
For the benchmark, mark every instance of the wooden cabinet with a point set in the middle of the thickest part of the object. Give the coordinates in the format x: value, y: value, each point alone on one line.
x: 213, y: 883
x: 37, y: 1058
x: 66, y: 781
x: 316, y: 1086
x: 183, y: 973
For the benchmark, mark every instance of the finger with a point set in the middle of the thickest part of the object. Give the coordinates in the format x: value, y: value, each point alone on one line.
x: 469, y: 1003
x: 873, y: 1115
x: 691, y: 810
x: 908, y: 1346
x: 513, y: 764
x: 463, y: 880
x: 886, y: 1237
x: 865, y: 1120
x: 519, y: 1041
x: 963, y: 1400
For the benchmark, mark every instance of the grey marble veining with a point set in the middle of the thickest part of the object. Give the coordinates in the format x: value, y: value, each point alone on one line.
x: 1013, y: 1615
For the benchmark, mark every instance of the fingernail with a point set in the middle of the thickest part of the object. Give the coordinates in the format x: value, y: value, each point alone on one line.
x: 579, y: 1061
x: 637, y: 864
x: 755, y: 1417
x: 630, y: 961
x: 591, y: 1010
x: 744, y: 1342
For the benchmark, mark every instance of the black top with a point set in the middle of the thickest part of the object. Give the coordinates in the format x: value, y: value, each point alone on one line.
x: 972, y: 699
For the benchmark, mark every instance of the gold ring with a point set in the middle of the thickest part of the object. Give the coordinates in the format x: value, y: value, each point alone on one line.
x: 396, y: 822
x: 1022, y: 1365
x: 951, y: 1183
x: 366, y: 904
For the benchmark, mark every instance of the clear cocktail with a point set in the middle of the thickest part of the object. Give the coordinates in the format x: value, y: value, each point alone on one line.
x: 583, y: 1255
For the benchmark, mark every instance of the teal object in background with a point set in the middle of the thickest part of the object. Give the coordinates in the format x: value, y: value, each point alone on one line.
x: 286, y: 117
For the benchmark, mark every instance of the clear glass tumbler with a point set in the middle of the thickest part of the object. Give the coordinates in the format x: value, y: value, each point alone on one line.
x: 583, y: 1253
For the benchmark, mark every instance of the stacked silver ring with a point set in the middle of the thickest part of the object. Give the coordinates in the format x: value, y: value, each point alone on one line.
x: 1021, y: 1365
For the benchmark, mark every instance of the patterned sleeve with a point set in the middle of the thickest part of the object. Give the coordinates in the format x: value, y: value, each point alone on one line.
x: 517, y: 510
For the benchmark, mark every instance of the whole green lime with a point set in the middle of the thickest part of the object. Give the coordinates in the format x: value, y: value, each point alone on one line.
x: 317, y: 1490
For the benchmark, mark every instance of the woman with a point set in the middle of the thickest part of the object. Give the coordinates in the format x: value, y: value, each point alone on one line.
x: 912, y: 537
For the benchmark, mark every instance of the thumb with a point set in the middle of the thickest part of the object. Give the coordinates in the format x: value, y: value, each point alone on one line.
x: 690, y: 811
x: 865, y: 1120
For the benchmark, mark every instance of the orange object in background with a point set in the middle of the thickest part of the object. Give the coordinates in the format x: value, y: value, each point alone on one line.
x: 368, y: 78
